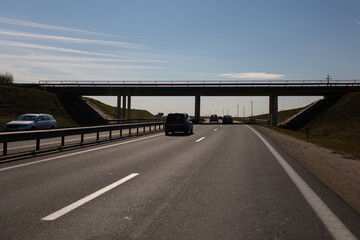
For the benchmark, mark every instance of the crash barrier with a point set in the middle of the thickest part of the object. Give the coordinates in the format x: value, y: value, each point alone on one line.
x: 132, y: 120
x: 37, y: 135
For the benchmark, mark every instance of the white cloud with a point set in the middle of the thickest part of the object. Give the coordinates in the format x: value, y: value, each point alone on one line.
x: 72, y: 40
x: 50, y: 27
x: 252, y: 76
x: 32, y: 68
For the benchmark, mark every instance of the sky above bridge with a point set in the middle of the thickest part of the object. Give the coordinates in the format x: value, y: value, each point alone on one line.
x: 182, y: 40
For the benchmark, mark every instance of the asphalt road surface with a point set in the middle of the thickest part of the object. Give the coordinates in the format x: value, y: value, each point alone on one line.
x: 222, y: 182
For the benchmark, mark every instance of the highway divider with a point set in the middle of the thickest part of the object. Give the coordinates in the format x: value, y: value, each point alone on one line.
x: 6, y: 137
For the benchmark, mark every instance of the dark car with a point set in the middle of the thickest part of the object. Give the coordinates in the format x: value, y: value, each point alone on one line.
x: 214, y: 118
x: 178, y: 122
x: 227, y: 119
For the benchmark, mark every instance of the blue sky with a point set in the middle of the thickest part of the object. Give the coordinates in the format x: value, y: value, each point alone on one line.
x: 182, y: 40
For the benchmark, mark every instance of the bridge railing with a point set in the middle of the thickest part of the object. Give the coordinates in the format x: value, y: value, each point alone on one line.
x: 6, y: 137
x: 144, y: 84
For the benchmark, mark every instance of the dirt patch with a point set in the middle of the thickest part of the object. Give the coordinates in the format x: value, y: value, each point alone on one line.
x: 340, y: 174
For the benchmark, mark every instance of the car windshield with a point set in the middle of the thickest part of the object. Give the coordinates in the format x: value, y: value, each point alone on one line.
x: 26, y: 118
x: 175, y: 118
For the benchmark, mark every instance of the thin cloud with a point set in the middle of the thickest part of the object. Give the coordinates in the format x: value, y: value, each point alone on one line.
x: 50, y: 48
x: 50, y: 27
x: 71, y: 40
x: 56, y: 58
x: 252, y: 76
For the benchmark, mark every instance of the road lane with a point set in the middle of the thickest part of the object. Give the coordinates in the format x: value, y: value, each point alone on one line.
x: 226, y: 186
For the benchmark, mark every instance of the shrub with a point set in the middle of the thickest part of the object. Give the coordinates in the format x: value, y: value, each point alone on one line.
x: 6, y: 79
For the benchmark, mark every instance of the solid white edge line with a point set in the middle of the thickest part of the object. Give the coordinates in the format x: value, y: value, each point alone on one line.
x: 77, y: 153
x: 200, y: 139
x: 86, y: 199
x: 335, y: 227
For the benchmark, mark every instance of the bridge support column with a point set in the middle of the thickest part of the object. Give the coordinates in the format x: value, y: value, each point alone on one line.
x: 273, y: 110
x: 129, y: 108
x: 118, y: 109
x: 124, y: 107
x: 197, y: 108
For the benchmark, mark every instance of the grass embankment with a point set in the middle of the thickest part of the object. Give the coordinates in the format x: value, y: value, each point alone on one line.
x: 15, y: 101
x: 337, y: 128
x: 282, y: 115
x: 134, y: 113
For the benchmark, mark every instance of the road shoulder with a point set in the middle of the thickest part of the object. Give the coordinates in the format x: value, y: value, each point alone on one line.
x: 340, y: 174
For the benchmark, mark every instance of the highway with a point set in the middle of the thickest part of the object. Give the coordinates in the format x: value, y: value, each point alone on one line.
x: 222, y: 182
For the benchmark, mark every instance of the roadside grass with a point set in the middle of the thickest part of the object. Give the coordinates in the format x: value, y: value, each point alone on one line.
x: 15, y: 101
x: 338, y: 128
x: 134, y: 113
x: 282, y: 115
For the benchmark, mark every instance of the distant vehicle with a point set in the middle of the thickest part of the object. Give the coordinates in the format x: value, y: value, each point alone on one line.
x: 214, y: 118
x: 227, y: 119
x: 178, y: 122
x: 32, y: 121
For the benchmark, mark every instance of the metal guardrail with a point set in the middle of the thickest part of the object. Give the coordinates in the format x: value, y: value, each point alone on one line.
x: 255, y: 120
x: 132, y: 120
x: 37, y: 135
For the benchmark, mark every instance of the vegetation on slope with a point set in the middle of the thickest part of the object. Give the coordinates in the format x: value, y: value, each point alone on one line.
x: 282, y: 115
x: 134, y: 113
x: 15, y: 101
x: 337, y: 128
x: 80, y: 112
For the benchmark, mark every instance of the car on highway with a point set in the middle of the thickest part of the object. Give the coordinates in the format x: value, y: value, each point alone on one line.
x: 227, y: 119
x: 214, y: 118
x: 32, y: 121
x: 178, y: 122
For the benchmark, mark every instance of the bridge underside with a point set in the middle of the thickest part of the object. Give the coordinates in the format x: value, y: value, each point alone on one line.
x: 272, y: 90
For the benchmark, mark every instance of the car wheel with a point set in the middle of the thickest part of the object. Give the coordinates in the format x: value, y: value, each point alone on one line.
x: 166, y: 133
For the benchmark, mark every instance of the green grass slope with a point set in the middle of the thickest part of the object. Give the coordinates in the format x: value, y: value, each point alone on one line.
x: 15, y: 101
x: 339, y: 126
x: 135, y: 113
x: 282, y: 115
x: 336, y: 128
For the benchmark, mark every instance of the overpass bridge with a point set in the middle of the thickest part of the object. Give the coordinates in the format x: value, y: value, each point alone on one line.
x: 126, y: 89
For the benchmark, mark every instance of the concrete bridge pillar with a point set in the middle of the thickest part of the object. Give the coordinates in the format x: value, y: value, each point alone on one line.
x: 197, y: 108
x: 129, y: 108
x: 273, y: 110
x: 124, y: 107
x: 118, y: 109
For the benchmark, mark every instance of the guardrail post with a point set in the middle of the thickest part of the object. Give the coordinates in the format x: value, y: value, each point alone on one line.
x: 37, y: 144
x: 62, y: 141
x: 155, y: 127
x: 4, y: 148
x: 149, y: 128
x: 144, y: 131
x: 110, y: 134
x: 137, y: 131
x: 97, y: 136
x: 120, y: 132
x: 82, y: 139
x: 129, y: 131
